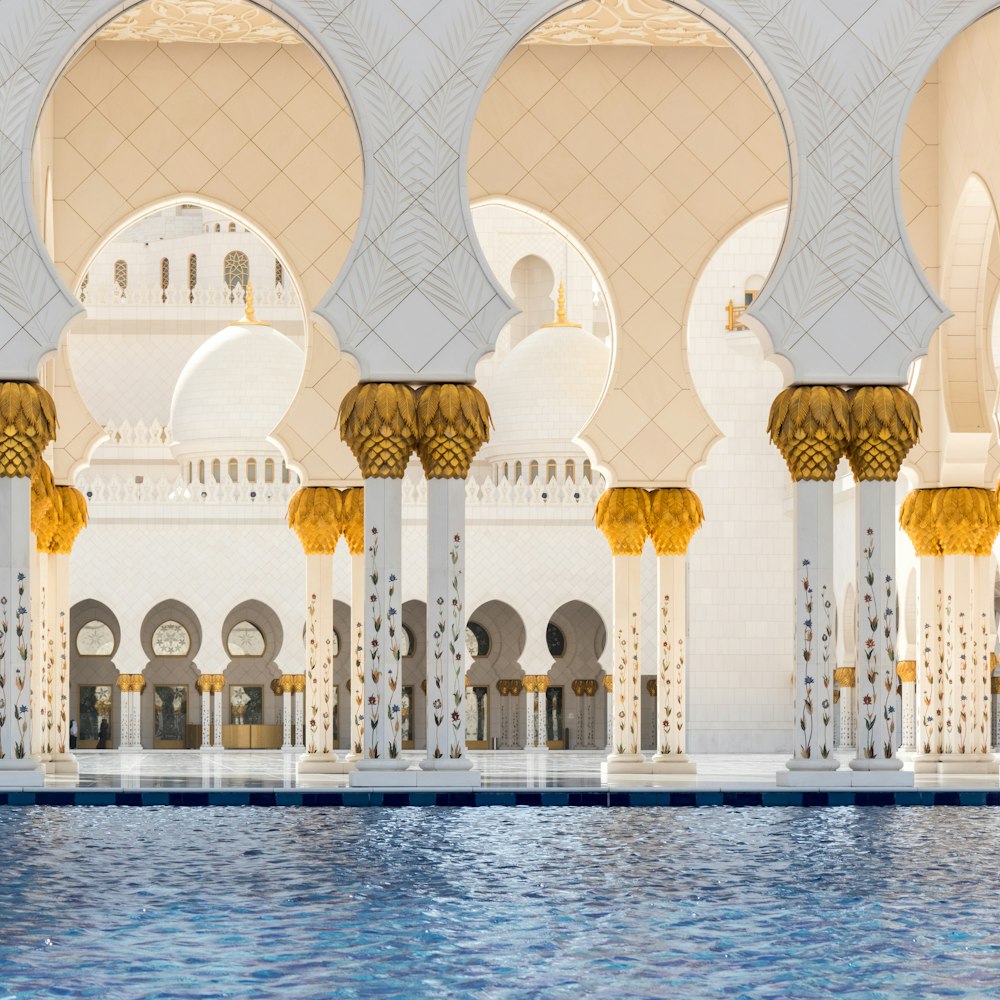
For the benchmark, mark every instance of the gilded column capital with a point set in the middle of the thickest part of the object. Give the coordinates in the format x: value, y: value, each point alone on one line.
x: 131, y: 682
x: 453, y: 423
x: 516, y: 686
x: 220, y: 682
x: 276, y: 687
x: 542, y: 683
x: 674, y: 517
x: 27, y: 424
x: 995, y: 685
x: 906, y: 671
x: 298, y: 682
x: 528, y: 681
x: 811, y: 426
x: 623, y: 514
x: 885, y: 425
x: 378, y: 422
x: 42, y: 501
x: 951, y: 521
x: 845, y: 677
x: 353, y: 518
x: 609, y: 683
x: 67, y: 518
x: 578, y: 686
x: 651, y: 686
x: 315, y: 514
x: 585, y: 687
x: 204, y: 683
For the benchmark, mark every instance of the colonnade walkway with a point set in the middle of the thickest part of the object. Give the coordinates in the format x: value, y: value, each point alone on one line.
x: 516, y: 769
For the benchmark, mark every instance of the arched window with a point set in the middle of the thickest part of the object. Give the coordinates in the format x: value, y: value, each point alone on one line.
x: 95, y: 639
x: 190, y: 472
x: 269, y: 471
x: 171, y: 639
x: 587, y: 473
x: 232, y: 227
x: 192, y: 275
x: 550, y: 470
x: 517, y: 472
x: 251, y: 470
x: 234, y: 470
x: 121, y: 275
x: 284, y: 473
x: 217, y: 470
x: 279, y: 273
x: 555, y: 640
x: 477, y: 640
x: 236, y: 269
x: 506, y: 471
x: 532, y: 472
x: 245, y: 639
x: 201, y: 471
x: 570, y: 471
x: 218, y: 228
x: 406, y: 642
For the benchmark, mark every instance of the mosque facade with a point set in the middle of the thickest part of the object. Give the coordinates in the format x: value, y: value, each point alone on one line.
x: 500, y: 374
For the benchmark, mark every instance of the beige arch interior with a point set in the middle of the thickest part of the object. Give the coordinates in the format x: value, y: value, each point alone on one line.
x: 651, y: 155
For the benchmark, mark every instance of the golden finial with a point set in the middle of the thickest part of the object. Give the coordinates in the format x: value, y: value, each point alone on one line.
x: 561, y: 319
x: 249, y: 319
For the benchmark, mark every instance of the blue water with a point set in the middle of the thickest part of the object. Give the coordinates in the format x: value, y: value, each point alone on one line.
x: 499, y: 903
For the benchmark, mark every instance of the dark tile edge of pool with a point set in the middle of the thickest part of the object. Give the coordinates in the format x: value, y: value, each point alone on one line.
x: 334, y: 798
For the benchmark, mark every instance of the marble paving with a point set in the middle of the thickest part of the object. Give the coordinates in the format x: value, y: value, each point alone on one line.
x: 250, y: 769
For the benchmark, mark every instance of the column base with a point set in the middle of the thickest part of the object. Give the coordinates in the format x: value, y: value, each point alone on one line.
x: 956, y: 763
x: 813, y: 778
x: 415, y: 778
x: 288, y: 748
x: 64, y: 763
x: 352, y: 756
x: 812, y: 764
x: 883, y: 764
x: 323, y: 763
x: 131, y: 748
x: 672, y: 763
x: 446, y: 764
x: 24, y: 773
x: 536, y: 749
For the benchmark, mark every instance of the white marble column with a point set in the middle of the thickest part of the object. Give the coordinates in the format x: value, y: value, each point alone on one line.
x: 876, y: 657
x: 446, y: 694
x: 627, y: 602
x: 609, y: 706
x: 131, y: 686
x: 217, y: 694
x: 41, y: 709
x: 848, y: 716
x: 383, y: 628
x: 206, y: 714
x: 906, y: 670
x: 812, y: 729
x: 930, y: 656
x: 319, y: 670
x: 286, y: 717
x: 531, y: 714
x: 300, y: 733
x: 358, y: 715
x: 671, y: 708
x: 18, y: 766
x: 63, y: 761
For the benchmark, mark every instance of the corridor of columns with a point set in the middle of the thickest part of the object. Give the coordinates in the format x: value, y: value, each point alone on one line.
x: 564, y: 450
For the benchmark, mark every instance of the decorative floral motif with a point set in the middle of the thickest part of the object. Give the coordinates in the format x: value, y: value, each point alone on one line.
x: 880, y: 673
x: 456, y: 644
x: 4, y: 626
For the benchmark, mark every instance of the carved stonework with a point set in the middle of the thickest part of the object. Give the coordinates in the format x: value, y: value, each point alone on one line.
x: 625, y: 22
x: 210, y: 21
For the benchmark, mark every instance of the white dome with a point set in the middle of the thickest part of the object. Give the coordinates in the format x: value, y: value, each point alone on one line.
x: 234, y: 390
x: 544, y: 392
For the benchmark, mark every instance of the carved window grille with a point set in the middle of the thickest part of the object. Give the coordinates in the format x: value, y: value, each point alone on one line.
x: 192, y: 275
x: 171, y: 639
x: 232, y: 227
x: 164, y: 278
x: 588, y: 474
x: 121, y: 275
x: 236, y: 270
x: 95, y: 639
x: 217, y: 470
x: 517, y: 472
x: 279, y: 274
x: 201, y: 472
x: 284, y: 473
x: 245, y: 639
x: 550, y: 470
x: 251, y: 470
x: 234, y: 470
x: 533, y: 472
x: 570, y: 471
x: 269, y: 471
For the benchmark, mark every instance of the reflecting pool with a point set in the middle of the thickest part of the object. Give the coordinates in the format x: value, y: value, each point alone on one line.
x: 498, y: 902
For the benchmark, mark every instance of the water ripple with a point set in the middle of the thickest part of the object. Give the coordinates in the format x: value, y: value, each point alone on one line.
x: 498, y: 903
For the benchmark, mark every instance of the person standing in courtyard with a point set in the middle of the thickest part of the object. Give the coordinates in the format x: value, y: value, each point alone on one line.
x: 102, y: 735
x: 74, y: 732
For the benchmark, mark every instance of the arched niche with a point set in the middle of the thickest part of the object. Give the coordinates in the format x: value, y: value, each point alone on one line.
x: 93, y: 640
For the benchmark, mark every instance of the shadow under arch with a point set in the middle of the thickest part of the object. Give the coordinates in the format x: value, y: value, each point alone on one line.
x: 53, y: 62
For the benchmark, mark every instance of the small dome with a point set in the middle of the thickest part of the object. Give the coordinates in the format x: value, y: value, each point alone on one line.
x: 544, y: 392
x: 234, y: 390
